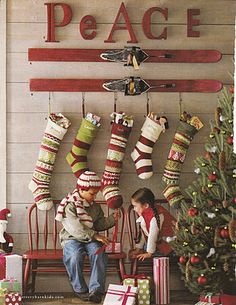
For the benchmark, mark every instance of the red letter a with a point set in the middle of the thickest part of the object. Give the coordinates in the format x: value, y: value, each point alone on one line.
x: 128, y: 26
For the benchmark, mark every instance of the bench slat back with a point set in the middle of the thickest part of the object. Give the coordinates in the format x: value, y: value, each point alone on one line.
x: 43, y: 229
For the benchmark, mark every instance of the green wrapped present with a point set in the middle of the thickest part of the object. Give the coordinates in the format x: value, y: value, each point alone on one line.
x: 3, y: 293
x: 143, y: 283
x: 11, y: 285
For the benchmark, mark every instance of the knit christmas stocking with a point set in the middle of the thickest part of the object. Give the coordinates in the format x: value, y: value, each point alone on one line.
x: 185, y: 132
x: 115, y: 156
x: 141, y: 154
x: 173, y: 195
x: 77, y: 157
x: 56, y: 128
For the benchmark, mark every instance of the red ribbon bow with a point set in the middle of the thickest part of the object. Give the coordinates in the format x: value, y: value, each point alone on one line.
x: 124, y: 295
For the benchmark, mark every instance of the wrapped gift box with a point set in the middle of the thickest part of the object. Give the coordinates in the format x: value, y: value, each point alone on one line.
x: 11, y: 267
x: 207, y: 303
x: 209, y: 299
x: 161, y: 280
x: 227, y: 299
x: 224, y: 299
x: 120, y: 295
x: 11, y: 285
x: 143, y: 284
x: 113, y: 247
x: 13, y: 299
x: 3, y: 293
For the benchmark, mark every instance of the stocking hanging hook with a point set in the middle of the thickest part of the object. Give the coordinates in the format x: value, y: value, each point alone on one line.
x: 49, y: 104
x: 83, y: 104
x: 148, y: 105
x: 180, y: 103
x: 115, y: 100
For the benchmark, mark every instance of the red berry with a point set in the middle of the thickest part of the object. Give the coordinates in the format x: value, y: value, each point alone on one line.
x: 182, y: 260
x: 230, y: 140
x: 195, y: 259
x: 234, y: 199
x: 224, y: 233
x: 231, y: 89
x: 202, y: 280
x: 192, y: 212
x: 212, y: 177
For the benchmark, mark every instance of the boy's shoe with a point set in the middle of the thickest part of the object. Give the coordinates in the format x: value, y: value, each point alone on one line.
x: 84, y: 296
x: 95, y: 297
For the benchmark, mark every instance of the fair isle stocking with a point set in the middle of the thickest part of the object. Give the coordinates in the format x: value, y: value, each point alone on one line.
x: 173, y: 195
x: 56, y: 128
x: 185, y: 132
x: 188, y: 127
x: 141, y: 154
x: 77, y: 157
x: 115, y: 156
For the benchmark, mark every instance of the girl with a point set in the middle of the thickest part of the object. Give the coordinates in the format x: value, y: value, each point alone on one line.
x: 156, y: 225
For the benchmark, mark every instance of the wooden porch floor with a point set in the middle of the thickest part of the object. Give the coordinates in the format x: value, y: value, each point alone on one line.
x: 177, y: 298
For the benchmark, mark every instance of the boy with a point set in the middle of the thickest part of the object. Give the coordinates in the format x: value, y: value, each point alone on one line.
x: 81, y: 217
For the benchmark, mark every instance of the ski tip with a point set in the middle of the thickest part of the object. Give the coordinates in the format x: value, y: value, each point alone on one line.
x: 219, y: 55
x: 103, y: 57
x: 106, y: 87
x: 220, y: 86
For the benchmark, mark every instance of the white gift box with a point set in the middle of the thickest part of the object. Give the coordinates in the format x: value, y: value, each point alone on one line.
x: 11, y: 267
x: 120, y: 295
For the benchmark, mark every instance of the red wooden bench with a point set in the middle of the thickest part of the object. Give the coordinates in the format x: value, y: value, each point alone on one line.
x: 45, y: 253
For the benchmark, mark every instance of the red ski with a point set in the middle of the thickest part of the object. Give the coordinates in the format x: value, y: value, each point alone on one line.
x: 130, y: 85
x: 132, y: 56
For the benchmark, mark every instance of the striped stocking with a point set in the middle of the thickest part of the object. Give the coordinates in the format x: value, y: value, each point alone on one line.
x: 56, y: 128
x: 141, y: 154
x: 77, y: 157
x: 115, y: 156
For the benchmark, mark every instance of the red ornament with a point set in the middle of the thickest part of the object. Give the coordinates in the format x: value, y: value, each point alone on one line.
x: 230, y: 140
x: 192, y: 212
x: 202, y: 280
x: 212, y: 177
x: 182, y: 260
x: 195, y: 259
x: 231, y: 89
x: 224, y: 233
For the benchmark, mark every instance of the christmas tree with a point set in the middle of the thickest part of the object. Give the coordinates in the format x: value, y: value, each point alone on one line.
x: 206, y: 228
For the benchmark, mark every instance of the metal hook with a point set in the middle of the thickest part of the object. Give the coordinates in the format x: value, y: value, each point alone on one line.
x: 180, y: 103
x: 115, y: 100
x: 49, y: 104
x: 148, y: 106
x: 83, y: 104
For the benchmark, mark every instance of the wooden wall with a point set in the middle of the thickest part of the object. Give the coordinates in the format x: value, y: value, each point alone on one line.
x: 26, y: 112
